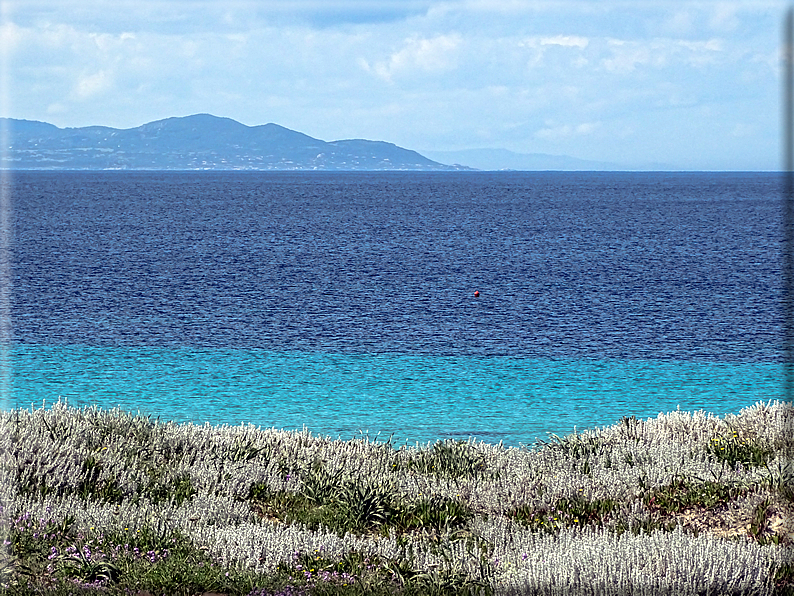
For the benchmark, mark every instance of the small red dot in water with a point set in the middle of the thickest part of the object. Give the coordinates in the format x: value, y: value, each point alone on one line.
x: 476, y: 293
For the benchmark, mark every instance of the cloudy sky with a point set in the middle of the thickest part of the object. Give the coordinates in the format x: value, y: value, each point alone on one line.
x: 693, y: 84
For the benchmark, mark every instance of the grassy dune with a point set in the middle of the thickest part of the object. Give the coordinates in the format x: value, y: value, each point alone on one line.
x: 104, y: 502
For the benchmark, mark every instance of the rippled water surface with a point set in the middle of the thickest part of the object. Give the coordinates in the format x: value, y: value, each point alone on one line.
x: 345, y: 302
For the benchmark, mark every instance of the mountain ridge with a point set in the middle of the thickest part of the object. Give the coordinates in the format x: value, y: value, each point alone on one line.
x: 198, y: 142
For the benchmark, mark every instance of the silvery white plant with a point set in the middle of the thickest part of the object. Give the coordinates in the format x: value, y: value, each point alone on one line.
x: 600, y: 562
x: 47, y: 453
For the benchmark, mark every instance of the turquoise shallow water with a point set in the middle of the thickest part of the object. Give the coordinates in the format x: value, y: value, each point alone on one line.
x: 415, y: 398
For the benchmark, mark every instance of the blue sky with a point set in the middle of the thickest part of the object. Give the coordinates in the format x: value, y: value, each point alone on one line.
x: 692, y: 84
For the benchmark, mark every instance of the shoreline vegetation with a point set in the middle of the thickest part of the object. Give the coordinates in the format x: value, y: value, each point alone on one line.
x: 105, y: 502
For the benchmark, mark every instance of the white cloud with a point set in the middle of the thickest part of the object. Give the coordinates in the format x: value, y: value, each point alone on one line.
x: 420, y: 55
x: 568, y: 41
x: 89, y: 86
x: 106, y: 42
x: 625, y: 56
x: 712, y: 45
x: 566, y: 49
x: 681, y: 22
x: 566, y: 131
x: 724, y: 16
x: 10, y: 36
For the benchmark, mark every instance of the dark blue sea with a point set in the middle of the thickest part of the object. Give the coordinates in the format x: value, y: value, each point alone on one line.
x: 344, y: 302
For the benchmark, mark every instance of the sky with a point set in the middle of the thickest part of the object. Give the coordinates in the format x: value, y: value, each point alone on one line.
x: 688, y: 84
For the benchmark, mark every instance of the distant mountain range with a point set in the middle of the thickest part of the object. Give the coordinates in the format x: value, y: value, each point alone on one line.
x: 502, y: 159
x: 199, y: 142
x: 206, y: 142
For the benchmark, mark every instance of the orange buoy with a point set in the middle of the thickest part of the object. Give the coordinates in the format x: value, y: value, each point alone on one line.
x: 476, y: 293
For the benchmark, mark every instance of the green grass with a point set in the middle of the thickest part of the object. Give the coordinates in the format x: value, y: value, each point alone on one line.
x: 684, y: 494
x: 733, y: 450
x: 145, y: 560
x: 357, y: 507
x: 568, y: 512
x: 449, y: 459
